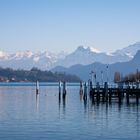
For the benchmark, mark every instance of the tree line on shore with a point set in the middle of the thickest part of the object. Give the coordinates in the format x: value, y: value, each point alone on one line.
x: 131, y: 77
x: 11, y: 75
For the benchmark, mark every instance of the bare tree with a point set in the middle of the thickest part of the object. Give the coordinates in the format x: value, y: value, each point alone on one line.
x: 117, y: 77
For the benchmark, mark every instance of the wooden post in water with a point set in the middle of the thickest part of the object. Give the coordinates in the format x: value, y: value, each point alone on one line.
x: 85, y: 91
x: 37, y: 87
x: 64, y: 90
x: 110, y: 95
x: 127, y: 94
x: 90, y: 85
x: 106, y: 90
x: 119, y: 95
x: 91, y: 90
x: 98, y: 92
x: 59, y: 90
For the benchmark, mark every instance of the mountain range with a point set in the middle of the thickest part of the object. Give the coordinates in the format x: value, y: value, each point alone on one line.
x: 27, y: 59
x: 81, y: 56
x: 84, y: 71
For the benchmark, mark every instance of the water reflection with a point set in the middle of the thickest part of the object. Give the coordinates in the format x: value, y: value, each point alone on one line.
x: 81, y: 96
x: 62, y: 103
x: 85, y: 104
x: 37, y: 102
x: 91, y: 107
x: 137, y: 121
x: 65, y: 118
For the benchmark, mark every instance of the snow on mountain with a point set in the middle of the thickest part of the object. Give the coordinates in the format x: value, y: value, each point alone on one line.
x: 85, y: 56
x: 130, y: 51
x: 83, y: 71
x: 82, y: 55
x: 94, y: 50
x: 28, y: 59
x: 3, y: 55
x: 22, y: 55
x: 87, y: 49
x: 90, y: 55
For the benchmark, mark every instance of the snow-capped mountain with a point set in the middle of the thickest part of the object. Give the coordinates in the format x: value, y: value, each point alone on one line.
x: 131, y: 50
x: 3, y: 55
x: 90, y: 55
x: 28, y: 59
x: 82, y: 55
x: 83, y: 71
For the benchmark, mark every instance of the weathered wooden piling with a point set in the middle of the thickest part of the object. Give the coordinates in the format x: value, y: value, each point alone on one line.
x: 109, y: 92
x: 85, y: 91
x: 64, y: 90
x: 37, y: 87
x: 119, y: 95
x: 106, y: 90
x: 127, y: 94
x: 110, y: 95
x: 98, y: 92
x: 91, y: 93
x: 59, y: 90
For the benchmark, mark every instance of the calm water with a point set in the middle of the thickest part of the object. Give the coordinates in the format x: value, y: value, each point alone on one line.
x: 25, y: 116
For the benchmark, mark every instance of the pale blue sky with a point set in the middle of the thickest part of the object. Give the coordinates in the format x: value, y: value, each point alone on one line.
x: 57, y: 25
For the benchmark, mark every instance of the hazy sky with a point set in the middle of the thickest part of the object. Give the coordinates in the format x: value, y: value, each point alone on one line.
x: 57, y: 25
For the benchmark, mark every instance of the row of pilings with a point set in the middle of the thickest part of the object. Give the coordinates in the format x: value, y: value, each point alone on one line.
x: 101, y: 93
x: 62, y: 89
x: 107, y: 93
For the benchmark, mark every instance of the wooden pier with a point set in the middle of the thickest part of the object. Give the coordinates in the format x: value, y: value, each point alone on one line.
x: 106, y: 93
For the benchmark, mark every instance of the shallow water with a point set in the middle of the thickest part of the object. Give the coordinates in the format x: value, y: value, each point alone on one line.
x: 25, y: 116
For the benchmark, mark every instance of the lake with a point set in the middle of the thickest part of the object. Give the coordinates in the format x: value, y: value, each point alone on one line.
x: 27, y: 116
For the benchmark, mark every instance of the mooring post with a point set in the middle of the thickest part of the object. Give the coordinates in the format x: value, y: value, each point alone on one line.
x: 85, y: 91
x: 127, y: 94
x: 98, y: 92
x: 90, y: 84
x: 64, y: 89
x: 122, y: 91
x: 119, y: 95
x: 91, y: 89
x: 127, y: 97
x: 110, y: 95
x: 59, y: 90
x: 106, y: 90
x: 37, y: 87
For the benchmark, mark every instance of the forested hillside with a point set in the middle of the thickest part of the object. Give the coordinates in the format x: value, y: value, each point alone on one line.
x: 10, y: 75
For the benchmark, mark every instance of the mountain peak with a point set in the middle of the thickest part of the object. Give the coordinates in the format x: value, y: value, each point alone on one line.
x: 81, y: 48
x: 3, y: 55
x: 89, y: 49
x: 94, y: 50
x: 21, y: 54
